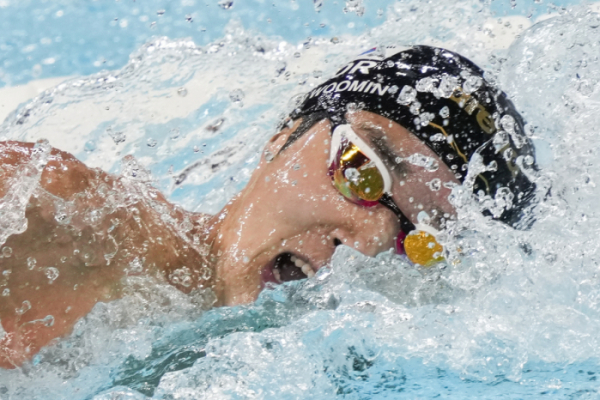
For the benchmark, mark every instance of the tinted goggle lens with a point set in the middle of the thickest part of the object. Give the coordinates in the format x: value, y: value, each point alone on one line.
x: 358, y: 177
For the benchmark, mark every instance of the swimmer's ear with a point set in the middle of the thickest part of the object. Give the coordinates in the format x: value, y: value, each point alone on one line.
x: 274, y: 145
x: 277, y: 141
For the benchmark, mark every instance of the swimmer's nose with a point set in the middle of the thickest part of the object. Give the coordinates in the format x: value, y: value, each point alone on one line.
x: 369, y: 236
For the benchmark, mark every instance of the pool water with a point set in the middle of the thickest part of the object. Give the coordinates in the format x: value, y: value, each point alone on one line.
x: 518, y: 317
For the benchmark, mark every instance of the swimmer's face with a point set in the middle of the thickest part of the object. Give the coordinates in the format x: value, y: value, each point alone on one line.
x: 286, y: 223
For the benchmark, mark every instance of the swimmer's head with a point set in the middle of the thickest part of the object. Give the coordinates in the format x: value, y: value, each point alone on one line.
x: 444, y: 100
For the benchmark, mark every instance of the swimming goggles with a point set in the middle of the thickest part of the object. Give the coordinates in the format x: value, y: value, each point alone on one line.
x: 360, y: 176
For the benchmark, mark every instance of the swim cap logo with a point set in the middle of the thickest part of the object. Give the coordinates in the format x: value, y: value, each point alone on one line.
x: 362, y: 66
x: 470, y: 104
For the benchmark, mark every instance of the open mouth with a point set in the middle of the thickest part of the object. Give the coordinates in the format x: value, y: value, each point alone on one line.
x: 287, y: 267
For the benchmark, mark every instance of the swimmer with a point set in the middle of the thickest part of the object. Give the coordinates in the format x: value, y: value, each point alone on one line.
x: 367, y: 160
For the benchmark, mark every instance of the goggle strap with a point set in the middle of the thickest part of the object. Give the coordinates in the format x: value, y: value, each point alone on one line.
x: 405, y: 225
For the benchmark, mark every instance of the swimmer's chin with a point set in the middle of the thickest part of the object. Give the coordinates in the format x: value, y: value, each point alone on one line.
x: 280, y: 268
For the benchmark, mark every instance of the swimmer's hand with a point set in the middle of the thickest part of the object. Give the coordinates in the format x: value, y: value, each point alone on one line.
x: 82, y: 235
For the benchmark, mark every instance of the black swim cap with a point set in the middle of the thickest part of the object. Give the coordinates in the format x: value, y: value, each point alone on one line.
x: 443, y: 99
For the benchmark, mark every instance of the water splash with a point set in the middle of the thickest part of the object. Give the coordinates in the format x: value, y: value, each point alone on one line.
x: 514, y: 313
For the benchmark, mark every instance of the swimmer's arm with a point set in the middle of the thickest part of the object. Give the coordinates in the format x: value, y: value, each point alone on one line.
x: 90, y: 257
x: 33, y: 310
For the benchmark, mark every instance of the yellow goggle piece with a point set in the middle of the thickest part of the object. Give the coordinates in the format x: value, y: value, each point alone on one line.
x: 422, y: 248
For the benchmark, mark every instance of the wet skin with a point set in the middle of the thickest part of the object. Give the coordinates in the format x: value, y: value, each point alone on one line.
x: 289, y: 208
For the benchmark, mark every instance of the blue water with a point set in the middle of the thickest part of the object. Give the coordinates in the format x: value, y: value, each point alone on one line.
x: 42, y: 38
x: 518, y: 318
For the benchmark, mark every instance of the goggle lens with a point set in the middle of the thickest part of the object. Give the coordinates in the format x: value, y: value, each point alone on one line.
x: 356, y: 176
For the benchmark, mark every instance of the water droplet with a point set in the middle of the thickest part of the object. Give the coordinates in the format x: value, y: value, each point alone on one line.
x: 269, y: 156
x: 407, y: 95
x: 6, y: 292
x: 425, y: 118
x: 352, y: 175
x: 529, y: 160
x: 393, y: 89
x: 25, y: 306
x: 438, y: 137
x: 557, y: 66
x: 89, y: 146
x: 445, y: 112
x: 51, y: 273
x: 135, y: 266
x: 160, y: 12
x: 423, y: 217
x: 236, y: 96
x: 48, y: 320
x: 117, y: 137
x: 426, y: 84
x: 151, y: 143
x: 6, y: 252
x: 447, y: 86
x: 472, y: 83
x: 182, y: 92
x: 355, y: 6
x: 508, y: 123
x: 429, y: 163
x: 215, y: 125
x: 225, y: 4
x: 189, y: 18
x: 318, y: 4
x: 31, y: 262
x: 435, y: 184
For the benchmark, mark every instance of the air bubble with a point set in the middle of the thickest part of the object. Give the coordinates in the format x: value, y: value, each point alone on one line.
x: 236, y: 96
x: 434, y: 185
x: 407, y: 95
x: 529, y: 160
x: 89, y: 146
x: 471, y: 84
x: 25, y: 306
x: 415, y: 108
x: 182, y: 92
x: 51, y: 273
x: 269, y: 156
x: 438, y: 137
x: 151, y: 143
x: 426, y: 84
x: 318, y: 4
x: 117, y: 137
x: 225, y: 4
x: 444, y: 112
x: 352, y: 175
x: 447, y: 86
x: 31, y: 262
x: 6, y: 252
